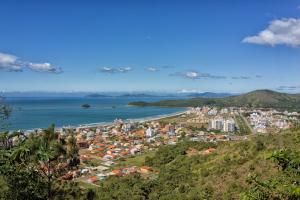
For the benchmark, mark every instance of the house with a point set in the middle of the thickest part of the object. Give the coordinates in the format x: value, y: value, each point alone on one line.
x: 209, y: 151
x: 145, y: 169
x: 108, y: 163
x: 92, y: 179
x: 102, y: 176
x: 117, y: 172
x: 83, y: 144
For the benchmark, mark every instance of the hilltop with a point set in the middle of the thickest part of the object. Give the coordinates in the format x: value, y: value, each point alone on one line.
x: 257, y: 98
x: 210, y: 95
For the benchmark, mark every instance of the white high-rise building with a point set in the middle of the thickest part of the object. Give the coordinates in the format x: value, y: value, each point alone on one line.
x: 217, y: 123
x: 229, y: 125
x: 150, y: 132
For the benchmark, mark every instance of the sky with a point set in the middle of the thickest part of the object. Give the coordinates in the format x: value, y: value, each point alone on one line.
x: 164, y: 46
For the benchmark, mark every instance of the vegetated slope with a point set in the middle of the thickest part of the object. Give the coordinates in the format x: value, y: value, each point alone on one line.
x: 258, y: 98
x: 210, y: 95
x: 263, y: 167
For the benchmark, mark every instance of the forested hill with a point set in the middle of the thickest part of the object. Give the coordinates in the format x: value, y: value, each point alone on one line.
x: 257, y: 98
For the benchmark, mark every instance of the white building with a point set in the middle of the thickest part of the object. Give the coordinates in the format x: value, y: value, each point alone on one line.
x: 217, y: 123
x: 126, y: 127
x: 213, y: 112
x: 229, y: 125
x: 150, y: 132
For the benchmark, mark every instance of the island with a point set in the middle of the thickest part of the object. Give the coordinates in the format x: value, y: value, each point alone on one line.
x: 85, y: 106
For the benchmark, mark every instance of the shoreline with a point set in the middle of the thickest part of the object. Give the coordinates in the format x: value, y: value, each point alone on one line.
x: 141, y: 120
x: 91, y: 125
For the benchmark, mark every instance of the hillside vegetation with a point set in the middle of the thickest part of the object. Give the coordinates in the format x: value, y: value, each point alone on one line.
x: 255, y: 99
x: 263, y: 167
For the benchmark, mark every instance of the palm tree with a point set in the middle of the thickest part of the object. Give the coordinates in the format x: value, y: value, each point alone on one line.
x: 21, y: 154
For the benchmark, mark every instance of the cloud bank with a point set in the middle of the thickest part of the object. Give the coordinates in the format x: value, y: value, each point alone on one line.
x: 44, y: 67
x: 284, y: 31
x: 152, y: 69
x: 113, y: 70
x: 288, y: 87
x: 12, y: 63
x: 193, y: 74
x: 241, y: 77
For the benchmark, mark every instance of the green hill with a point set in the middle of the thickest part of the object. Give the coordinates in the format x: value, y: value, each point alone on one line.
x: 257, y: 98
x: 262, y: 167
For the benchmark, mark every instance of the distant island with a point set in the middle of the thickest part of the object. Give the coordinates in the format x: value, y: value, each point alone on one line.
x: 138, y: 95
x: 85, y: 106
x: 254, y: 99
x: 96, y: 95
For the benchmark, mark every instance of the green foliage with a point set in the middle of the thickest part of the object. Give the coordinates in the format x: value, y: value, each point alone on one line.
x: 255, y: 99
x: 31, y: 170
x: 222, y: 175
x: 5, y: 111
x: 286, y: 185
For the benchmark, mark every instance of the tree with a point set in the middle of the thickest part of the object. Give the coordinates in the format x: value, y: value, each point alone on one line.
x: 5, y: 111
x: 286, y: 185
x: 34, y: 168
x: 72, y: 151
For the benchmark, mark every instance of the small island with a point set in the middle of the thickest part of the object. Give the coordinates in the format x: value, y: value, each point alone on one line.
x: 85, y: 106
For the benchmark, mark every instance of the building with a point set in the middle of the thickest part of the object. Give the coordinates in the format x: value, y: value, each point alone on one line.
x: 217, y: 123
x: 213, y: 111
x: 126, y: 127
x: 150, y: 132
x: 229, y: 125
x: 170, y: 129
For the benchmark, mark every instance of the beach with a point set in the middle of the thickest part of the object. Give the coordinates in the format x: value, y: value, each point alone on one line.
x: 34, y: 113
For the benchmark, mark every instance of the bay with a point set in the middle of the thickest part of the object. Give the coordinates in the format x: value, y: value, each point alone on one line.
x: 40, y: 112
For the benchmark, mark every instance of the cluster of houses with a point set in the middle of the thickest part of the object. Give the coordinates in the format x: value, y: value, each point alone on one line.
x: 102, y: 147
x: 264, y: 121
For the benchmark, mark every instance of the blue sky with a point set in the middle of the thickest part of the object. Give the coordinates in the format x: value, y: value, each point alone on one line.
x: 219, y: 46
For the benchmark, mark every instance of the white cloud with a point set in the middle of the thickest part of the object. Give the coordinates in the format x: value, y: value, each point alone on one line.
x: 284, y: 31
x: 113, y: 70
x: 193, y: 74
x: 241, y: 77
x: 187, y: 91
x: 288, y: 87
x: 44, y: 67
x: 124, y: 69
x: 11, y: 63
x: 152, y: 69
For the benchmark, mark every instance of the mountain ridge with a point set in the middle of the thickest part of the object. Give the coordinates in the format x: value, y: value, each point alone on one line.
x: 257, y: 98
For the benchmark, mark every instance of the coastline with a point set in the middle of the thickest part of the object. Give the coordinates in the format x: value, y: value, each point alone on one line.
x: 141, y: 120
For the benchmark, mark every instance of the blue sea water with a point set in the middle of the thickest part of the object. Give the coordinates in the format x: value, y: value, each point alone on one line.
x: 40, y: 112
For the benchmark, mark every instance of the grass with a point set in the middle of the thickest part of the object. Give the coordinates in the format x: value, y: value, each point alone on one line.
x: 138, y: 160
x: 242, y: 125
x: 85, y: 185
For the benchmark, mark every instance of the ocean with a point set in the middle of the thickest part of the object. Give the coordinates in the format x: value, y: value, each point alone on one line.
x: 40, y: 112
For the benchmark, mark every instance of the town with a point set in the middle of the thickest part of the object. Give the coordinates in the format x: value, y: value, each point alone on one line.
x: 119, y: 149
